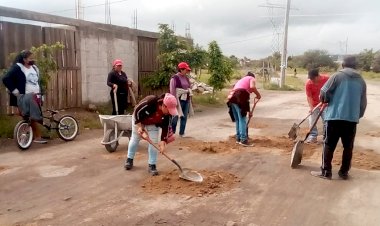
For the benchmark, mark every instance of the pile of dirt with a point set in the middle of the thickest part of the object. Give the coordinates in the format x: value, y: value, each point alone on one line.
x: 214, y: 182
x: 362, y: 158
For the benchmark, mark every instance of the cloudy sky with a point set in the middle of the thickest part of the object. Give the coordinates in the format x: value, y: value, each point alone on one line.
x: 241, y: 27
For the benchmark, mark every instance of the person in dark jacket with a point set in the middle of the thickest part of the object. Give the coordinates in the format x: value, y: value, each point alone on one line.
x: 346, y: 95
x: 150, y: 114
x: 24, y: 82
x: 118, y: 81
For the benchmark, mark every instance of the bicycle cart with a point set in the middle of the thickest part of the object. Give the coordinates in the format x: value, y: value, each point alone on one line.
x: 66, y: 127
x: 115, y: 126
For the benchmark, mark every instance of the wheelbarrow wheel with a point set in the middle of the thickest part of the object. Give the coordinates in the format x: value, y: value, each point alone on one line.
x: 110, y: 135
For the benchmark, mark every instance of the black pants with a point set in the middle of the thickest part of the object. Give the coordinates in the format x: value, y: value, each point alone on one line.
x: 122, y: 99
x: 334, y: 130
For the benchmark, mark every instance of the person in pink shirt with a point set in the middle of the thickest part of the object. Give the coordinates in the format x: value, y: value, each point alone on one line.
x: 313, y: 88
x: 238, y: 101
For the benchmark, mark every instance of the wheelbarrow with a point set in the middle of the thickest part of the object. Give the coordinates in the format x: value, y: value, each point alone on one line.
x: 115, y: 127
x: 296, y: 156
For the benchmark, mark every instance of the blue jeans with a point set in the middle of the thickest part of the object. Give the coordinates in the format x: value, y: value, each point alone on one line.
x: 314, y: 132
x: 153, y: 132
x: 185, y: 109
x: 241, y: 123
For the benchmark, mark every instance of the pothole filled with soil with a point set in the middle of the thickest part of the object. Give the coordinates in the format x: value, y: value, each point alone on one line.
x: 214, y: 182
x: 362, y: 158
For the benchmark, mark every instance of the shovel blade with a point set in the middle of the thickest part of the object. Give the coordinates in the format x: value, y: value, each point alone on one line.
x: 293, y: 131
x: 191, y: 175
x: 296, y: 155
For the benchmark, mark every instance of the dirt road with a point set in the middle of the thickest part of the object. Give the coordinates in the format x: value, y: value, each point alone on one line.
x: 79, y: 183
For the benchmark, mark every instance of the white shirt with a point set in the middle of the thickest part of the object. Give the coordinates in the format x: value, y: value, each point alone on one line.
x: 31, y: 76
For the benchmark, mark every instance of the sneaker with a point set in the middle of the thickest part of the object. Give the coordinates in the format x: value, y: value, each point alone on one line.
x: 152, y: 170
x: 245, y: 143
x: 342, y: 175
x: 322, y: 174
x: 311, y: 140
x: 182, y: 135
x: 237, y: 141
x: 40, y: 141
x: 128, y: 164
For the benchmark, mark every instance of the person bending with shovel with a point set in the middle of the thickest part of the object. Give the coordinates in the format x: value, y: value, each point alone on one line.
x: 150, y: 114
x: 238, y: 101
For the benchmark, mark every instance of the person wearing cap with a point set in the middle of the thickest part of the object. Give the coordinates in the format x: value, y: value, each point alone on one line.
x: 313, y: 87
x: 180, y: 88
x: 150, y: 114
x: 118, y: 81
x: 238, y: 102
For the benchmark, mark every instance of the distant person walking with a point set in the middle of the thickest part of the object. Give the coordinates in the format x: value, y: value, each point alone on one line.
x: 313, y: 88
x: 346, y: 95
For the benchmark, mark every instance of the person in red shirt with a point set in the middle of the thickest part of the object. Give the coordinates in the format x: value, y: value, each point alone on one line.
x: 313, y: 87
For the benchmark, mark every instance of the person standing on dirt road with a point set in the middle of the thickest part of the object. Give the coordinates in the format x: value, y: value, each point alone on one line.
x: 151, y: 113
x: 24, y: 82
x: 238, y: 101
x: 118, y: 81
x: 180, y: 88
x: 346, y: 95
x: 313, y: 87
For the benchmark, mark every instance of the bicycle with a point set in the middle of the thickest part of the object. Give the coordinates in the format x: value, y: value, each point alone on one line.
x: 66, y: 127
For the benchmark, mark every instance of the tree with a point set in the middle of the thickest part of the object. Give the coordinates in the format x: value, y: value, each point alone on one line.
x: 376, y: 62
x: 365, y: 59
x: 219, y: 68
x: 173, y: 50
x: 317, y: 58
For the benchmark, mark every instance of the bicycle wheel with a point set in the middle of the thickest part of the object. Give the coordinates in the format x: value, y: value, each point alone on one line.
x: 23, y: 135
x: 67, y: 128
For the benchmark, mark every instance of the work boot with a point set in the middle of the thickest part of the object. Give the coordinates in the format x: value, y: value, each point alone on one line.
x: 128, y: 164
x: 322, y: 174
x: 245, y: 143
x: 152, y: 170
x: 343, y: 175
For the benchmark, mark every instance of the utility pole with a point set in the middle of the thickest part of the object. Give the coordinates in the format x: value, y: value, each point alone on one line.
x: 285, y: 46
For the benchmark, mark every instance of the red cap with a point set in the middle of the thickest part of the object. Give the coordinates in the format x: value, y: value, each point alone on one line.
x: 184, y: 65
x: 117, y: 62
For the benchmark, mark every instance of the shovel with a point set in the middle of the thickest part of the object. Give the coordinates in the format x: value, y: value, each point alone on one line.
x: 251, y: 112
x: 294, y: 130
x: 296, y: 156
x: 186, y: 173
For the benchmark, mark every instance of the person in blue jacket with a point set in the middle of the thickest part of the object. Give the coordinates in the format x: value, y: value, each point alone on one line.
x: 345, y: 93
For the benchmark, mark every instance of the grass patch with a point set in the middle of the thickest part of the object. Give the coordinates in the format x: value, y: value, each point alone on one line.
x: 370, y: 75
x: 291, y: 84
x: 7, y: 124
x: 208, y: 99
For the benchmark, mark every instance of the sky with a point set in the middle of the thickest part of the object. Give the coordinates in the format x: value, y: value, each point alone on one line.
x: 244, y: 28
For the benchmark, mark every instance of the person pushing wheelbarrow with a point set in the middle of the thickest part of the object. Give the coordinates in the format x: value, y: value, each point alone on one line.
x: 238, y: 102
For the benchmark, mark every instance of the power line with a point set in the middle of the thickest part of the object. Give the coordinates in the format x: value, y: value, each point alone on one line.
x: 245, y: 40
x: 88, y: 6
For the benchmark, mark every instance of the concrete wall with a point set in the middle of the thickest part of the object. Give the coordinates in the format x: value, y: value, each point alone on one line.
x: 98, y: 50
x: 100, y: 44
